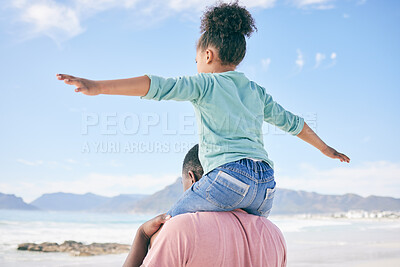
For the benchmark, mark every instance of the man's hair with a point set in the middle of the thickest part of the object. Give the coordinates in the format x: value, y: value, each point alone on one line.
x: 225, y: 26
x: 192, y: 163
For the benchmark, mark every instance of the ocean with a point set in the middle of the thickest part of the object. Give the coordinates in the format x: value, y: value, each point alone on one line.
x: 311, y: 241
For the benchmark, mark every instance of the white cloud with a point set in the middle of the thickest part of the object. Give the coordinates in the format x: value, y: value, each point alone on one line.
x: 333, y: 57
x: 319, y: 57
x: 265, y: 63
x: 104, y: 4
x: 49, y: 18
x: 324, y: 7
x: 346, y: 16
x: 180, y: 5
x: 381, y: 178
x: 62, y: 20
x: 97, y: 183
x: 300, y: 60
x: 258, y: 3
x: 177, y: 5
x: 199, y: 5
x: 314, y: 4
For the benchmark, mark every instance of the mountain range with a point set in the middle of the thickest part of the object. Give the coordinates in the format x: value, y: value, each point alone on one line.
x: 8, y: 201
x: 87, y: 202
x: 286, y: 202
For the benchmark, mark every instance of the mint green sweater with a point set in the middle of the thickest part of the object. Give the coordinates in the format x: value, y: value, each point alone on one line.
x: 230, y: 110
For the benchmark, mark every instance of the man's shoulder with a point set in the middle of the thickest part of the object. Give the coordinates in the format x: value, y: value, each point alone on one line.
x: 239, y: 217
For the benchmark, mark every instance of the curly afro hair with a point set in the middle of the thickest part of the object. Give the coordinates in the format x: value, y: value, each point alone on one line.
x: 192, y: 163
x: 225, y: 26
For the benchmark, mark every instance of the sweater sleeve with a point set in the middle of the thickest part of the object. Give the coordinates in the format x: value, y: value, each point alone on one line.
x: 276, y: 115
x: 184, y: 88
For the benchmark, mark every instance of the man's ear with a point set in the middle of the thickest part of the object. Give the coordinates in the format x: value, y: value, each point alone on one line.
x: 192, y: 177
x: 209, y: 56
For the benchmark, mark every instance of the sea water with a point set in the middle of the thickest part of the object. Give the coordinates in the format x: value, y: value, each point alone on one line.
x: 39, y: 226
x: 321, y: 241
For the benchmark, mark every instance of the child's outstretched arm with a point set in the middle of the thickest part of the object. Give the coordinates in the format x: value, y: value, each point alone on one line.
x: 138, y: 86
x: 308, y: 135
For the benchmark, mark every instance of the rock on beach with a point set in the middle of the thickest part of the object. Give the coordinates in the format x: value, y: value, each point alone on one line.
x: 77, y: 248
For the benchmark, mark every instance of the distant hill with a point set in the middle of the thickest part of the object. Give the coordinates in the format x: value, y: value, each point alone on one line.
x: 69, y: 202
x: 289, y: 201
x: 160, y: 201
x: 87, y: 202
x: 286, y: 201
x: 13, y: 202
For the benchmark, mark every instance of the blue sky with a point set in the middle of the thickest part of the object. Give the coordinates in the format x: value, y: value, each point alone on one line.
x: 335, y: 63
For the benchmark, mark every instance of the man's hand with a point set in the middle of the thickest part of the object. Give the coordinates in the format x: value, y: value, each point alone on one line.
x: 142, y: 239
x: 149, y: 228
x: 332, y: 153
x: 85, y: 86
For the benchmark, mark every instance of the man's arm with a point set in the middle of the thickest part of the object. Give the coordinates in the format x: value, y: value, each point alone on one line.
x: 142, y: 240
x: 175, y: 244
x: 308, y: 135
x: 138, y: 250
x: 137, y: 86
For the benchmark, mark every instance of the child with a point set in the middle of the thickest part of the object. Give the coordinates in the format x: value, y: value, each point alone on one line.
x: 230, y: 110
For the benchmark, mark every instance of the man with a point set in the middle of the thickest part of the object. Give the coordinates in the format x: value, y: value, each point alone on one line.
x: 231, y: 238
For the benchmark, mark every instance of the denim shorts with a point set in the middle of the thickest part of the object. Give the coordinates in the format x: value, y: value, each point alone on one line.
x: 246, y: 184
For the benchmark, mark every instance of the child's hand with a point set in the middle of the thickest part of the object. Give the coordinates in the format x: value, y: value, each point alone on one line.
x: 87, y: 87
x: 332, y: 153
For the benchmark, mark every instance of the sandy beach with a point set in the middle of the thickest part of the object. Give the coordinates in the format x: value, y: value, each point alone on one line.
x: 375, y: 263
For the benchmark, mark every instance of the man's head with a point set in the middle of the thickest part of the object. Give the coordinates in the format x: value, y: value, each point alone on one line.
x: 192, y: 170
